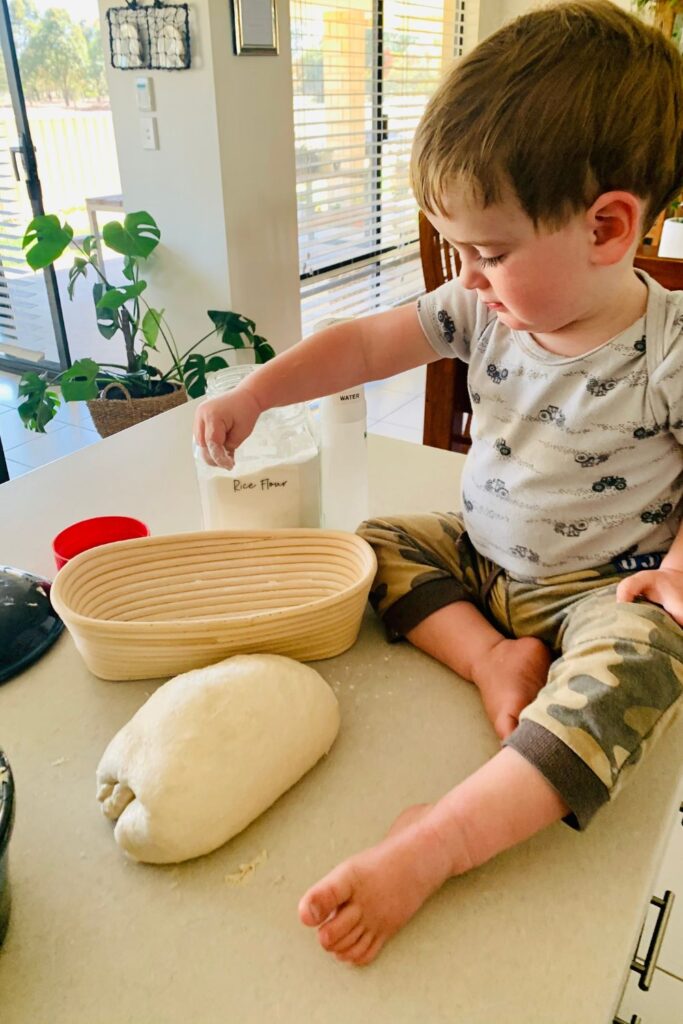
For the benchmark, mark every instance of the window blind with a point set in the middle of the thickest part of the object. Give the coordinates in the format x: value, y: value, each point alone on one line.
x: 363, y: 71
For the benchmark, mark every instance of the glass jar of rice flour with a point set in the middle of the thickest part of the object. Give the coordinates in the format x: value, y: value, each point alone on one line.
x: 275, y: 481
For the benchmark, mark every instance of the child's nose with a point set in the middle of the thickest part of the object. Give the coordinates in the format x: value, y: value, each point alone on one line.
x: 471, y: 275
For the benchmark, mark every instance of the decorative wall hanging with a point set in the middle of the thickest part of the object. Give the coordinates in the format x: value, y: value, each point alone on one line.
x: 128, y: 37
x: 254, y: 27
x: 156, y: 36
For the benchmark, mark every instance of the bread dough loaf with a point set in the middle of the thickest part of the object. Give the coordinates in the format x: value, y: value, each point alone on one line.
x: 210, y: 751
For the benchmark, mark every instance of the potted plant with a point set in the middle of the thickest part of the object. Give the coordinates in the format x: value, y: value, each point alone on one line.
x: 137, y: 389
x: 671, y: 238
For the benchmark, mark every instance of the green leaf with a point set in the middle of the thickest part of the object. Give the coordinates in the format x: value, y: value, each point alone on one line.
x: 79, y: 269
x: 48, y: 240
x: 151, y: 322
x: 230, y: 326
x: 137, y: 236
x: 89, y: 247
x: 107, y: 320
x: 262, y: 350
x: 195, y: 370
x: 79, y: 382
x: 40, y: 404
x: 129, y: 266
x: 113, y: 298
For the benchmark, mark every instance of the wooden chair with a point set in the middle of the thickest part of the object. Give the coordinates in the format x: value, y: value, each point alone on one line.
x: 448, y: 411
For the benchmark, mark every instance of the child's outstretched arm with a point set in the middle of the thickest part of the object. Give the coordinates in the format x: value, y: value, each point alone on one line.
x: 336, y: 358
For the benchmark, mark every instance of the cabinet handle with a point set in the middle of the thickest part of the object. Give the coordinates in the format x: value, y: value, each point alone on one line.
x: 646, y: 968
x: 635, y: 1019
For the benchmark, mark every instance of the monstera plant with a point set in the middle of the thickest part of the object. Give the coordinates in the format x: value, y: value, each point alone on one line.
x: 121, y: 309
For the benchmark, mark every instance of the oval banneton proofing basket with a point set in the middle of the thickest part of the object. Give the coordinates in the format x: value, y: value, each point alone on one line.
x: 158, y: 606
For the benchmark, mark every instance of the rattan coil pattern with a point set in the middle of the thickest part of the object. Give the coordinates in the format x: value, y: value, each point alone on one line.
x: 158, y: 606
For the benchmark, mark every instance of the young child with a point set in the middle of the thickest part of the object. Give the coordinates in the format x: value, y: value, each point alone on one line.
x: 543, y: 157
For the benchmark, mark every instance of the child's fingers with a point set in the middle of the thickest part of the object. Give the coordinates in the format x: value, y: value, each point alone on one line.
x: 674, y: 606
x: 628, y: 589
x: 220, y: 455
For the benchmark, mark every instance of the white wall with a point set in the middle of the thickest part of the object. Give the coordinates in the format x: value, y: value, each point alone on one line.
x: 221, y: 185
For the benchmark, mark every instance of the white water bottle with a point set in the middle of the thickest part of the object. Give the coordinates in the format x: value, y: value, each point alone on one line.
x: 344, y: 460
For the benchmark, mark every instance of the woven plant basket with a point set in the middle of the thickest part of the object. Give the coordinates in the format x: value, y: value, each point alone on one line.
x: 157, y: 606
x: 111, y: 415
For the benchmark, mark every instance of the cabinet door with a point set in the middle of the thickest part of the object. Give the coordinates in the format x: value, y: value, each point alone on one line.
x: 671, y: 877
x: 663, y: 1004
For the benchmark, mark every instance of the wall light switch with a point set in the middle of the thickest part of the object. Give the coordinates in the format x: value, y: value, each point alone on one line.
x: 148, y: 131
x: 144, y: 93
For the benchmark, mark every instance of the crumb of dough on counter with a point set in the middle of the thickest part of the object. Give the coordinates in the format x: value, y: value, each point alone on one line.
x: 246, y: 870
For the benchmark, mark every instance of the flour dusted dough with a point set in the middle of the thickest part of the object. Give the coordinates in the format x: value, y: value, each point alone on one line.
x: 210, y: 751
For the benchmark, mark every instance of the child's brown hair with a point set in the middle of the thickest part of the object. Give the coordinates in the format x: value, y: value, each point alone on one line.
x: 562, y: 104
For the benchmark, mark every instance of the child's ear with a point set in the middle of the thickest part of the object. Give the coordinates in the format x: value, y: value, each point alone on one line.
x: 614, y: 221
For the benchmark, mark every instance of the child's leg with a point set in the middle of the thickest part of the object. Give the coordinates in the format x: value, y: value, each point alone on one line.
x: 376, y: 892
x: 428, y: 586
x: 617, y: 685
x: 508, y: 673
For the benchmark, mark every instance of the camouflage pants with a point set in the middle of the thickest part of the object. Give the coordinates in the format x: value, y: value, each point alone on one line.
x: 617, y: 676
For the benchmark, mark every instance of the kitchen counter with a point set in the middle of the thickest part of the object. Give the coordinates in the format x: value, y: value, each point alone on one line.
x: 542, y: 934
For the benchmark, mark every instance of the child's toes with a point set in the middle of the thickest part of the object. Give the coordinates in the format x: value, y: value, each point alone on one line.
x: 358, y: 949
x: 369, y: 956
x: 336, y: 930
x: 324, y: 898
x: 349, y: 940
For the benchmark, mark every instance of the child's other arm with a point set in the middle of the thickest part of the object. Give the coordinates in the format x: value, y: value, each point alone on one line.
x: 336, y: 358
x: 663, y: 586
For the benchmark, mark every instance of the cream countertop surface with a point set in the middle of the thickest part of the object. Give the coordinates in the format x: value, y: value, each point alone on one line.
x: 541, y: 935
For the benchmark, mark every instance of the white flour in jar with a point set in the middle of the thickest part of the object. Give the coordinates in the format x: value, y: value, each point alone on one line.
x: 268, y: 495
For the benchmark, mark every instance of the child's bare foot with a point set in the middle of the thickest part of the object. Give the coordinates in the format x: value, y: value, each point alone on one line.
x: 509, y: 677
x: 367, y: 898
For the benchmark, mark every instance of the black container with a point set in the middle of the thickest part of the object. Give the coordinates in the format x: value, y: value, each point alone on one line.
x: 6, y: 822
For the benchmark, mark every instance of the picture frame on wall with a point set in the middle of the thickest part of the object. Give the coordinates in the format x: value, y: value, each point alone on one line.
x: 254, y: 24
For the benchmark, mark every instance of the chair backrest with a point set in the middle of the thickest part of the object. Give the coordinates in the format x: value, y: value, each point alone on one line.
x: 447, y: 402
x: 668, y: 272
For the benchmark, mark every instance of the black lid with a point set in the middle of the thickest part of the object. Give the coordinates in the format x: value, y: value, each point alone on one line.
x: 6, y: 802
x: 28, y: 622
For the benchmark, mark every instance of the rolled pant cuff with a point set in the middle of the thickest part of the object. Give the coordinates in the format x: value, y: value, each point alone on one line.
x: 415, y: 606
x: 578, y: 786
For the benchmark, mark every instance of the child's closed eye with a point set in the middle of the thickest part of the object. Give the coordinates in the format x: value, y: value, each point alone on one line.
x: 489, y: 261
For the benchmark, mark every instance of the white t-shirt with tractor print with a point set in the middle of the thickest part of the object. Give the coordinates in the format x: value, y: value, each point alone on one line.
x: 575, y: 461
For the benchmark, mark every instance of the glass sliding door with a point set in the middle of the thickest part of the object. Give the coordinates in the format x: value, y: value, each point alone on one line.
x: 32, y: 334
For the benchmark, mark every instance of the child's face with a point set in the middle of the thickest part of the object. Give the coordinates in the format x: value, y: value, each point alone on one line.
x: 535, y: 280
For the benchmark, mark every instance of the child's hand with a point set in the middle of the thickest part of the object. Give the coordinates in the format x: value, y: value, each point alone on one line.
x: 661, y: 586
x: 222, y: 423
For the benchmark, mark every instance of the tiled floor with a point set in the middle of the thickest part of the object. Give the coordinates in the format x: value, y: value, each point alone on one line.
x: 71, y: 429
x: 395, y: 409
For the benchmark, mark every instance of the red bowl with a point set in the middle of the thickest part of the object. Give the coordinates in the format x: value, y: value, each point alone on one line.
x: 90, y: 533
